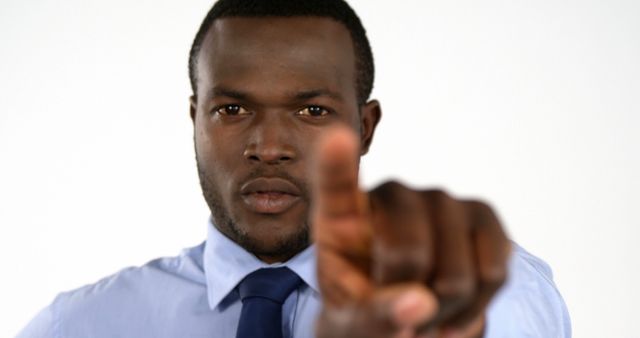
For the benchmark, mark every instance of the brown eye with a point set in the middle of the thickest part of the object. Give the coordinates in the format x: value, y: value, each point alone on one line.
x: 314, y: 111
x: 231, y: 110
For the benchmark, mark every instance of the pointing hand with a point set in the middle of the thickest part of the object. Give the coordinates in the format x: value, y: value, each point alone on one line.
x: 399, y: 262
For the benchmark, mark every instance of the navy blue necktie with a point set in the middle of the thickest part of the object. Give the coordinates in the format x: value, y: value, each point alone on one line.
x: 262, y: 293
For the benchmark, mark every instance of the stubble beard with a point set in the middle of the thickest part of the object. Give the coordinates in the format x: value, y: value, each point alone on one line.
x: 285, y: 247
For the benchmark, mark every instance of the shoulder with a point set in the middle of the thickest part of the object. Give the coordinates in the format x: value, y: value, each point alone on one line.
x: 529, y: 304
x: 137, y: 282
x: 132, y: 294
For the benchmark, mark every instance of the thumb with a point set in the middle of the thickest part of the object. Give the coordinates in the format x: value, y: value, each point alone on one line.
x: 407, y: 306
x: 393, y: 311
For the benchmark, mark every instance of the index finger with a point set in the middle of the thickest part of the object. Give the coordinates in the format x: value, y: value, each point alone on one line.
x: 335, y: 176
x: 339, y: 220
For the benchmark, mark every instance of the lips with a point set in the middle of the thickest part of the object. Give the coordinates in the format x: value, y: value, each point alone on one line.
x: 269, y: 195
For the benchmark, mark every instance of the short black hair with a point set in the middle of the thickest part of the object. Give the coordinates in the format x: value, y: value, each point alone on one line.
x: 338, y: 10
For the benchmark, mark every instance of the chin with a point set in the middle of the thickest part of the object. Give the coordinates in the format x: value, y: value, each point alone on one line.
x: 273, y: 239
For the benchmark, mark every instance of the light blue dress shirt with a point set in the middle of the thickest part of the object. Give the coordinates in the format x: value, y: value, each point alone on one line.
x: 194, y: 295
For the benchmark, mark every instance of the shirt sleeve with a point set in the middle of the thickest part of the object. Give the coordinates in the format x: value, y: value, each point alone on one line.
x: 41, y: 326
x: 529, y: 305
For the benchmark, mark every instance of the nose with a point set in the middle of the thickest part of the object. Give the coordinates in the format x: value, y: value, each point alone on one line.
x: 270, y: 144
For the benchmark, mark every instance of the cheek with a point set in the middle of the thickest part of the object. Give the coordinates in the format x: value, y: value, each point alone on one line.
x: 217, y: 153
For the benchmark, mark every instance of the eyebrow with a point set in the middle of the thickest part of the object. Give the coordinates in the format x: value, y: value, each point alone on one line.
x: 234, y: 94
x: 297, y: 96
x: 310, y: 94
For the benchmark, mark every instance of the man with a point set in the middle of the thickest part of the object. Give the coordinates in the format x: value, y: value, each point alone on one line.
x: 281, y: 114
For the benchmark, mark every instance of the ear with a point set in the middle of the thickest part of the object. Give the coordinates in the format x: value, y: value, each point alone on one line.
x: 193, y: 105
x: 370, y: 115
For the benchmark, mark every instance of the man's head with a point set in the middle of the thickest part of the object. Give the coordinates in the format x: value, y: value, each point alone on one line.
x: 269, y: 78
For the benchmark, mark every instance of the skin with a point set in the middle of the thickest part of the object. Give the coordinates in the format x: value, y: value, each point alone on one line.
x: 276, y: 98
x: 260, y: 83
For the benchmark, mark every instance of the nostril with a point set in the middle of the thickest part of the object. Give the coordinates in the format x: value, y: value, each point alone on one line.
x: 270, y: 155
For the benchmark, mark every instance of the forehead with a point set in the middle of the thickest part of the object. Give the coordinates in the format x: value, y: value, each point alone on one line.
x: 278, y: 53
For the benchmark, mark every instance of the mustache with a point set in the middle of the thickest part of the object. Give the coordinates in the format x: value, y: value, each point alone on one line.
x: 258, y: 172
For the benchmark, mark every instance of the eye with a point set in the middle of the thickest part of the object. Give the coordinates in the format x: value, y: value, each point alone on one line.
x: 231, y: 110
x: 314, y: 111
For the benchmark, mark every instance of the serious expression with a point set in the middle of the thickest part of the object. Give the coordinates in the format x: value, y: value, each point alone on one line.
x: 267, y: 89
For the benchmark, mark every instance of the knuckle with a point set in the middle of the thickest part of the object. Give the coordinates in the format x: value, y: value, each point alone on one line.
x: 437, y: 198
x: 389, y: 188
x: 438, y: 194
x: 493, y: 277
x: 482, y: 215
x: 397, y: 200
x: 479, y: 207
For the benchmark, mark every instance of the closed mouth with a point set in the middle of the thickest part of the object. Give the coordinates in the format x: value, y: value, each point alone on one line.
x: 269, y: 195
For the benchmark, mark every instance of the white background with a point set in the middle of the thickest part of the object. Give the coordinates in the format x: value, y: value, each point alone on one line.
x: 531, y: 105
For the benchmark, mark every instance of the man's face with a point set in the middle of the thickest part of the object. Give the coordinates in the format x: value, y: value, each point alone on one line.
x: 268, y: 88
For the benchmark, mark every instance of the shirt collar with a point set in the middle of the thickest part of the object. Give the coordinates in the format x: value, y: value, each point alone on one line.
x: 226, y: 264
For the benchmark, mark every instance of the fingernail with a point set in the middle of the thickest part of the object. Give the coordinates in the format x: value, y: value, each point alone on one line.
x: 412, y: 308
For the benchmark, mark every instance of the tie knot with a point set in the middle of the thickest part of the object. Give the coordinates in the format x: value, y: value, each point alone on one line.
x: 272, y: 283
